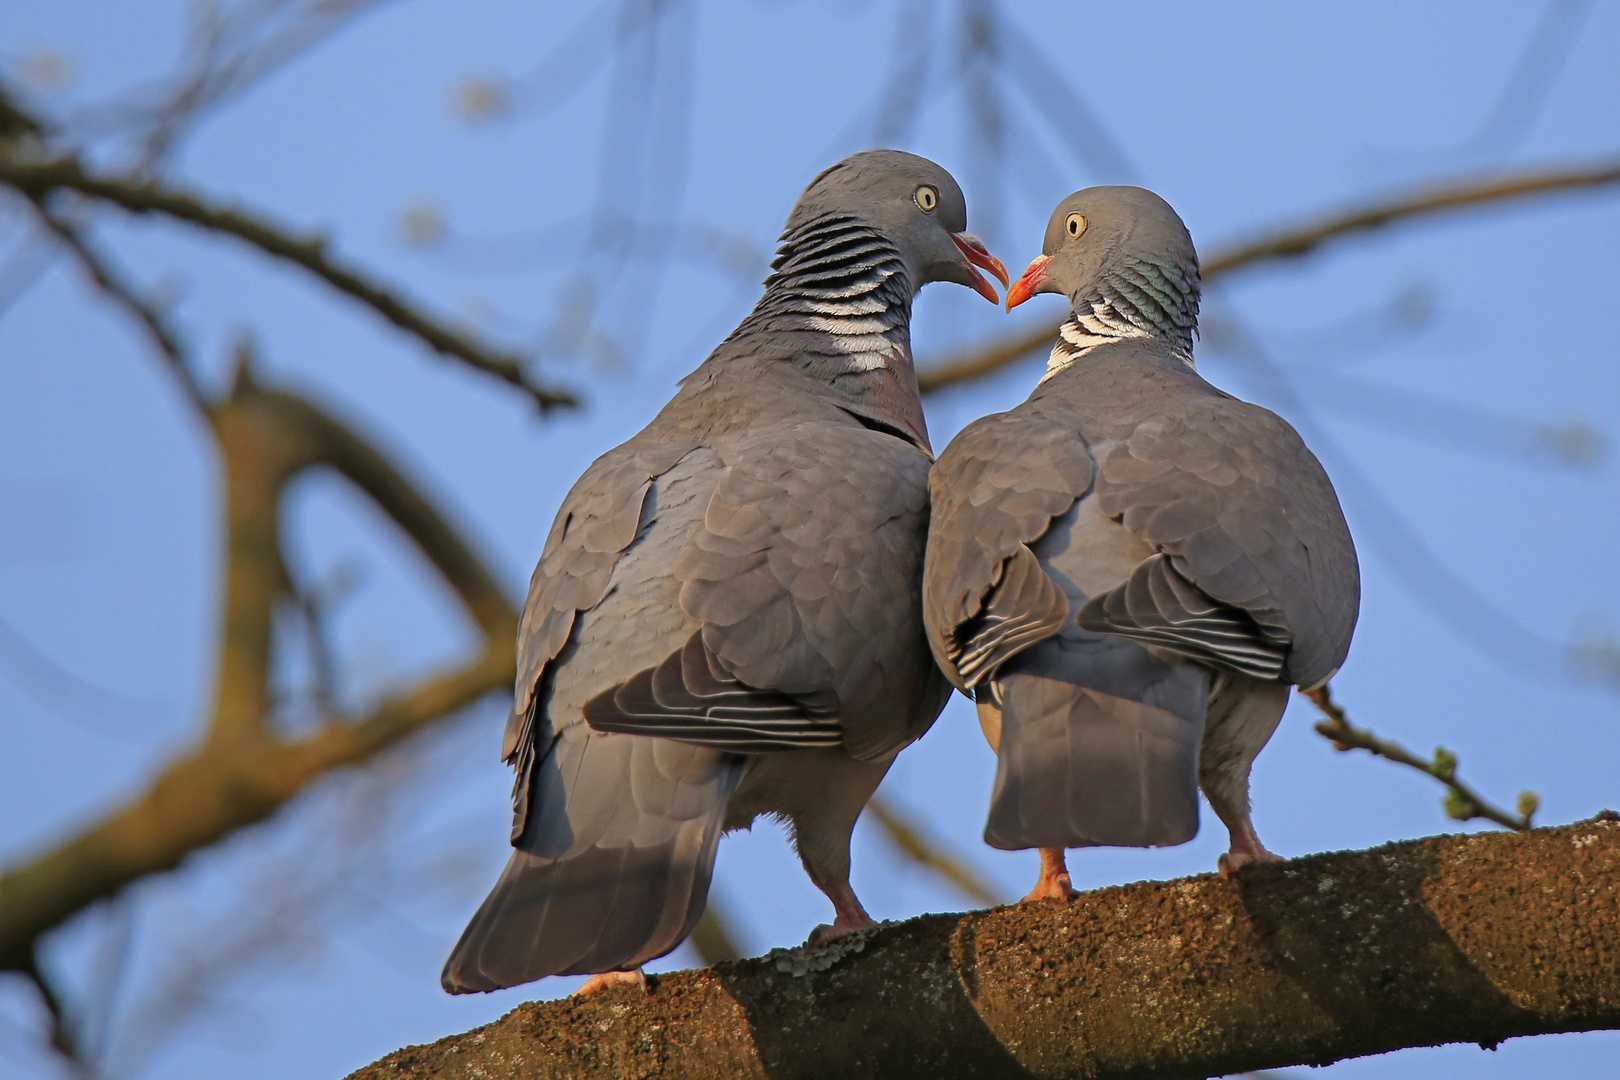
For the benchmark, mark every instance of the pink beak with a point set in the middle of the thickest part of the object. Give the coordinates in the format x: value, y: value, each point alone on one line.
x: 973, y: 251
x: 1028, y: 283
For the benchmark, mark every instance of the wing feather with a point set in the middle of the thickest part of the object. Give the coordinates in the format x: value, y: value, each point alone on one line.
x: 1256, y: 572
x: 997, y: 489
x: 803, y: 579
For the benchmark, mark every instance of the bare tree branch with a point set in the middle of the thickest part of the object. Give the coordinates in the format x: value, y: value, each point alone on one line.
x: 911, y: 841
x: 38, y: 179
x: 1450, y: 939
x: 1462, y: 803
x: 710, y: 937
x: 123, y: 294
x: 241, y: 773
x: 1291, y: 242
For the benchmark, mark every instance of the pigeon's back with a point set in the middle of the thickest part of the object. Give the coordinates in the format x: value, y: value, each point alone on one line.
x: 1097, y: 556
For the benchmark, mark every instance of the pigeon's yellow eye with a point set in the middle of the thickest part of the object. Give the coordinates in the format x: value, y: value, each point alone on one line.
x: 926, y: 199
x: 1077, y: 224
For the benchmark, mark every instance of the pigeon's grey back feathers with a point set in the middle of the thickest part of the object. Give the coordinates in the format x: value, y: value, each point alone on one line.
x: 1257, y: 572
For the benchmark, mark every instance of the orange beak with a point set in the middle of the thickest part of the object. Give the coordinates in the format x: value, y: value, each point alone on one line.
x: 1028, y: 283
x: 973, y: 251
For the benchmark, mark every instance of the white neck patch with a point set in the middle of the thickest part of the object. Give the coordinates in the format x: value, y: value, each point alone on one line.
x: 1079, y: 334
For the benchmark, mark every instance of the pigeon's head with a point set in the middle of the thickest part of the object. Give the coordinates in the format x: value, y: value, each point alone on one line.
x: 1100, y: 233
x: 915, y: 204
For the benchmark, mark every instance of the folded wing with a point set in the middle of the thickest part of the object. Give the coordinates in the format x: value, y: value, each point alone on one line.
x: 1256, y: 572
x: 997, y: 489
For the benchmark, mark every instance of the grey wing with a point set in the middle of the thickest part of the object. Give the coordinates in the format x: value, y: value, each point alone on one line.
x: 804, y: 577
x: 1158, y: 605
x: 996, y: 489
x: 1257, y: 572
x: 615, y: 834
x: 597, y: 523
x: 691, y: 696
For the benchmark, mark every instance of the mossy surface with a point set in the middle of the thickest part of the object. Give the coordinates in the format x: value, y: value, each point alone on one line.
x: 1449, y: 939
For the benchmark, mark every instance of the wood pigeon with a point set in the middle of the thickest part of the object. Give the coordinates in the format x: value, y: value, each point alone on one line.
x: 726, y: 619
x: 1130, y: 569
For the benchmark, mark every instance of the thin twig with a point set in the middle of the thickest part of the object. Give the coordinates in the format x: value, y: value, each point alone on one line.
x: 1294, y: 241
x: 139, y: 196
x: 64, y: 1039
x: 712, y: 938
x: 1461, y: 802
x: 1299, y: 240
x: 909, y: 838
x: 311, y: 607
x: 222, y: 69
x: 121, y: 292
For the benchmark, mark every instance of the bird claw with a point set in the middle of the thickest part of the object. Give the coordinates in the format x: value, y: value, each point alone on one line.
x: 1233, y: 861
x: 840, y: 926
x: 1056, y: 887
x: 609, y: 979
x: 1053, y: 882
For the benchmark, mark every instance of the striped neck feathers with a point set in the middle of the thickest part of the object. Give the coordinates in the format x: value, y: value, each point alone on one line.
x: 841, y: 289
x: 1132, y: 299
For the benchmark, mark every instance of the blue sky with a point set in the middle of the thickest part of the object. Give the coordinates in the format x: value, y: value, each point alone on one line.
x: 1422, y: 363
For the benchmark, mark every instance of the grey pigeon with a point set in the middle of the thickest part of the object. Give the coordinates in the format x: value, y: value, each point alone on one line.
x: 1129, y: 570
x: 726, y: 619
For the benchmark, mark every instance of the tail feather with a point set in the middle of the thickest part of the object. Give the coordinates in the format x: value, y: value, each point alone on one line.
x: 1099, y: 746
x: 625, y: 889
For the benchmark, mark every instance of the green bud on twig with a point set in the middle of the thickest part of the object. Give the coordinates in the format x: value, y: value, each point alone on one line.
x: 1459, y: 807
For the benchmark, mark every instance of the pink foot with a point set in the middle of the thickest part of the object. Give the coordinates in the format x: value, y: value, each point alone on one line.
x: 1246, y: 848
x: 609, y: 979
x: 1053, y: 884
x: 849, y: 916
x: 838, y: 928
x: 1233, y: 861
x: 1242, y: 855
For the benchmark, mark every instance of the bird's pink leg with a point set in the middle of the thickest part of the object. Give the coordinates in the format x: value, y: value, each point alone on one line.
x: 608, y: 979
x: 849, y: 916
x: 1053, y: 884
x: 1246, y: 848
x: 1234, y: 733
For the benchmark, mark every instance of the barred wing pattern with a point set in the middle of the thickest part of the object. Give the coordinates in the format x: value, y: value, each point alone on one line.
x: 803, y: 577
x: 1259, y: 574
x: 997, y: 489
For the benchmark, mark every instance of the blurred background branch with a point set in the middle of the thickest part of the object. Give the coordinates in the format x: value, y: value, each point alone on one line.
x: 911, y: 840
x: 242, y: 772
x: 152, y: 321
x: 1293, y: 241
x: 37, y: 180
